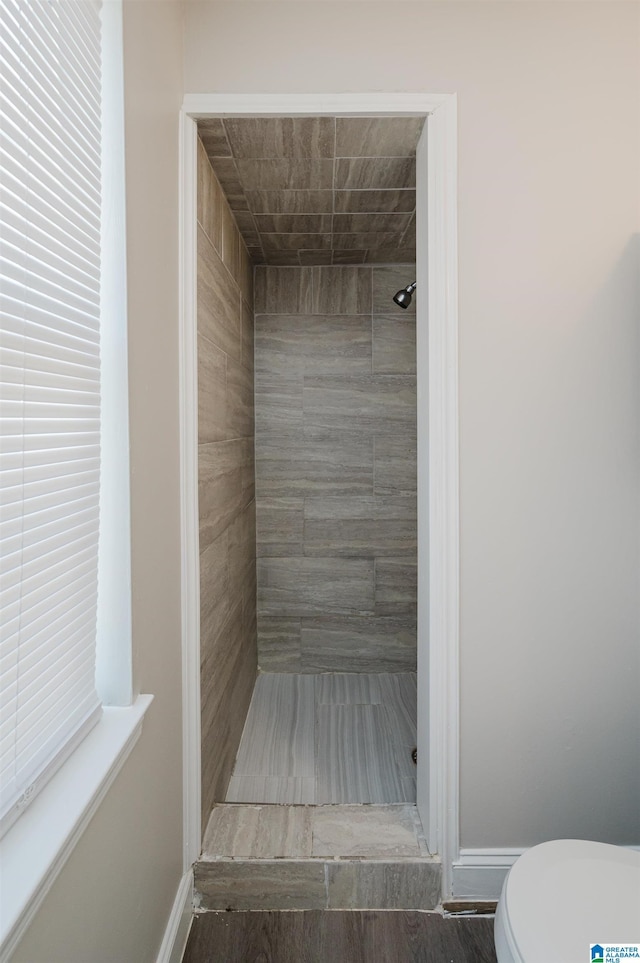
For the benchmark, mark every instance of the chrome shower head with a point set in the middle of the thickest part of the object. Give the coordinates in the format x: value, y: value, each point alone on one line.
x: 403, y: 298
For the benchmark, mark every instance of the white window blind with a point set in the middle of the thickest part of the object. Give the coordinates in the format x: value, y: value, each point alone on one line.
x: 50, y: 212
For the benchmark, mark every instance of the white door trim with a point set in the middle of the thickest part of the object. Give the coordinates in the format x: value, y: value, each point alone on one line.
x: 444, y: 536
x: 189, y: 534
x: 438, y: 408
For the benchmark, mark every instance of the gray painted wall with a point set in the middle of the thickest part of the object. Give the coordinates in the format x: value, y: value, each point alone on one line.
x: 335, y: 403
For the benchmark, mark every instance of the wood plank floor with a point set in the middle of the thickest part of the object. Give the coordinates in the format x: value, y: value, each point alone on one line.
x: 328, y: 738
x: 317, y: 936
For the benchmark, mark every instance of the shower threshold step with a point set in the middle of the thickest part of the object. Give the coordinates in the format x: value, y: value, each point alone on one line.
x: 273, y: 857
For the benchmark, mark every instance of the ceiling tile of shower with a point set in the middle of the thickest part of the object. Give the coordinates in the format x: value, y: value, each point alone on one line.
x: 319, y: 190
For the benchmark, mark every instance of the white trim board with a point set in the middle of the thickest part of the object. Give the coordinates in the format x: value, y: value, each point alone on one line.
x: 176, y: 933
x: 36, y: 848
x: 189, y: 535
x: 438, y: 409
x: 480, y: 873
x: 291, y: 105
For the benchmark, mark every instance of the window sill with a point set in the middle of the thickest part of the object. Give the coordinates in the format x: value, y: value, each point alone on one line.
x: 36, y: 848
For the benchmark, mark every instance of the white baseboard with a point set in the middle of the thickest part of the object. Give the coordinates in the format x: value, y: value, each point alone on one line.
x: 480, y: 873
x: 179, y: 923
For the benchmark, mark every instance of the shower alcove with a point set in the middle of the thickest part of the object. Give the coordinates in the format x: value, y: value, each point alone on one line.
x: 308, y: 513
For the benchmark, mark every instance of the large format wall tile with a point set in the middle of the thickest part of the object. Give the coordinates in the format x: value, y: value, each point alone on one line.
x: 282, y: 290
x: 375, y: 173
x: 210, y: 202
x: 225, y: 485
x: 358, y: 644
x: 307, y: 167
x: 226, y: 488
x: 241, y: 540
x: 280, y: 529
x: 335, y: 395
x: 278, y: 405
x: 386, y: 281
x: 314, y: 461
x: 315, y: 586
x: 377, y: 136
x: 293, y: 223
x: 213, y: 137
x: 292, y: 202
x: 279, y: 644
x: 228, y: 671
x: 247, y: 334
x: 363, y: 201
x: 230, y: 244
x: 239, y: 400
x: 227, y: 174
x: 281, y: 136
x: 364, y: 402
x: 364, y: 526
x: 218, y: 300
x: 395, y: 466
x: 339, y: 290
x: 361, y: 223
x: 288, y: 345
x: 287, y: 173
x: 274, y: 243
x: 394, y: 344
x: 215, y: 597
x: 212, y: 392
x: 396, y: 586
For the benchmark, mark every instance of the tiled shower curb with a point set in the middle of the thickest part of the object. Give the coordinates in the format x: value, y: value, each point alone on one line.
x: 286, y: 884
x: 269, y: 857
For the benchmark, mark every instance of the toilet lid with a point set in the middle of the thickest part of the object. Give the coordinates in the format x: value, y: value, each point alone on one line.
x: 562, y: 896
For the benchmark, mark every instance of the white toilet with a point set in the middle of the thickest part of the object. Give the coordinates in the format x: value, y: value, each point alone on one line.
x: 561, y: 897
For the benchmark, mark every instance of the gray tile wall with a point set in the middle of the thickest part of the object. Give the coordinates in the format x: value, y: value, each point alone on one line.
x: 226, y: 488
x: 335, y: 397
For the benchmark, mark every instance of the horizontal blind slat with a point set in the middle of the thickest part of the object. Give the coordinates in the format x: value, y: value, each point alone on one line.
x: 47, y: 622
x: 45, y: 360
x: 50, y: 303
x: 46, y: 130
x: 48, y: 250
x: 37, y: 449
x: 41, y: 55
x: 21, y: 173
x: 29, y: 264
x: 24, y: 611
x: 49, y: 231
x: 40, y: 324
x: 21, y: 286
x: 37, y: 498
x: 56, y: 161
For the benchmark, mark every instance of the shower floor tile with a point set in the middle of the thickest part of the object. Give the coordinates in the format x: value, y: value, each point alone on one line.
x: 286, y: 790
x: 279, y: 734
x: 328, y: 738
